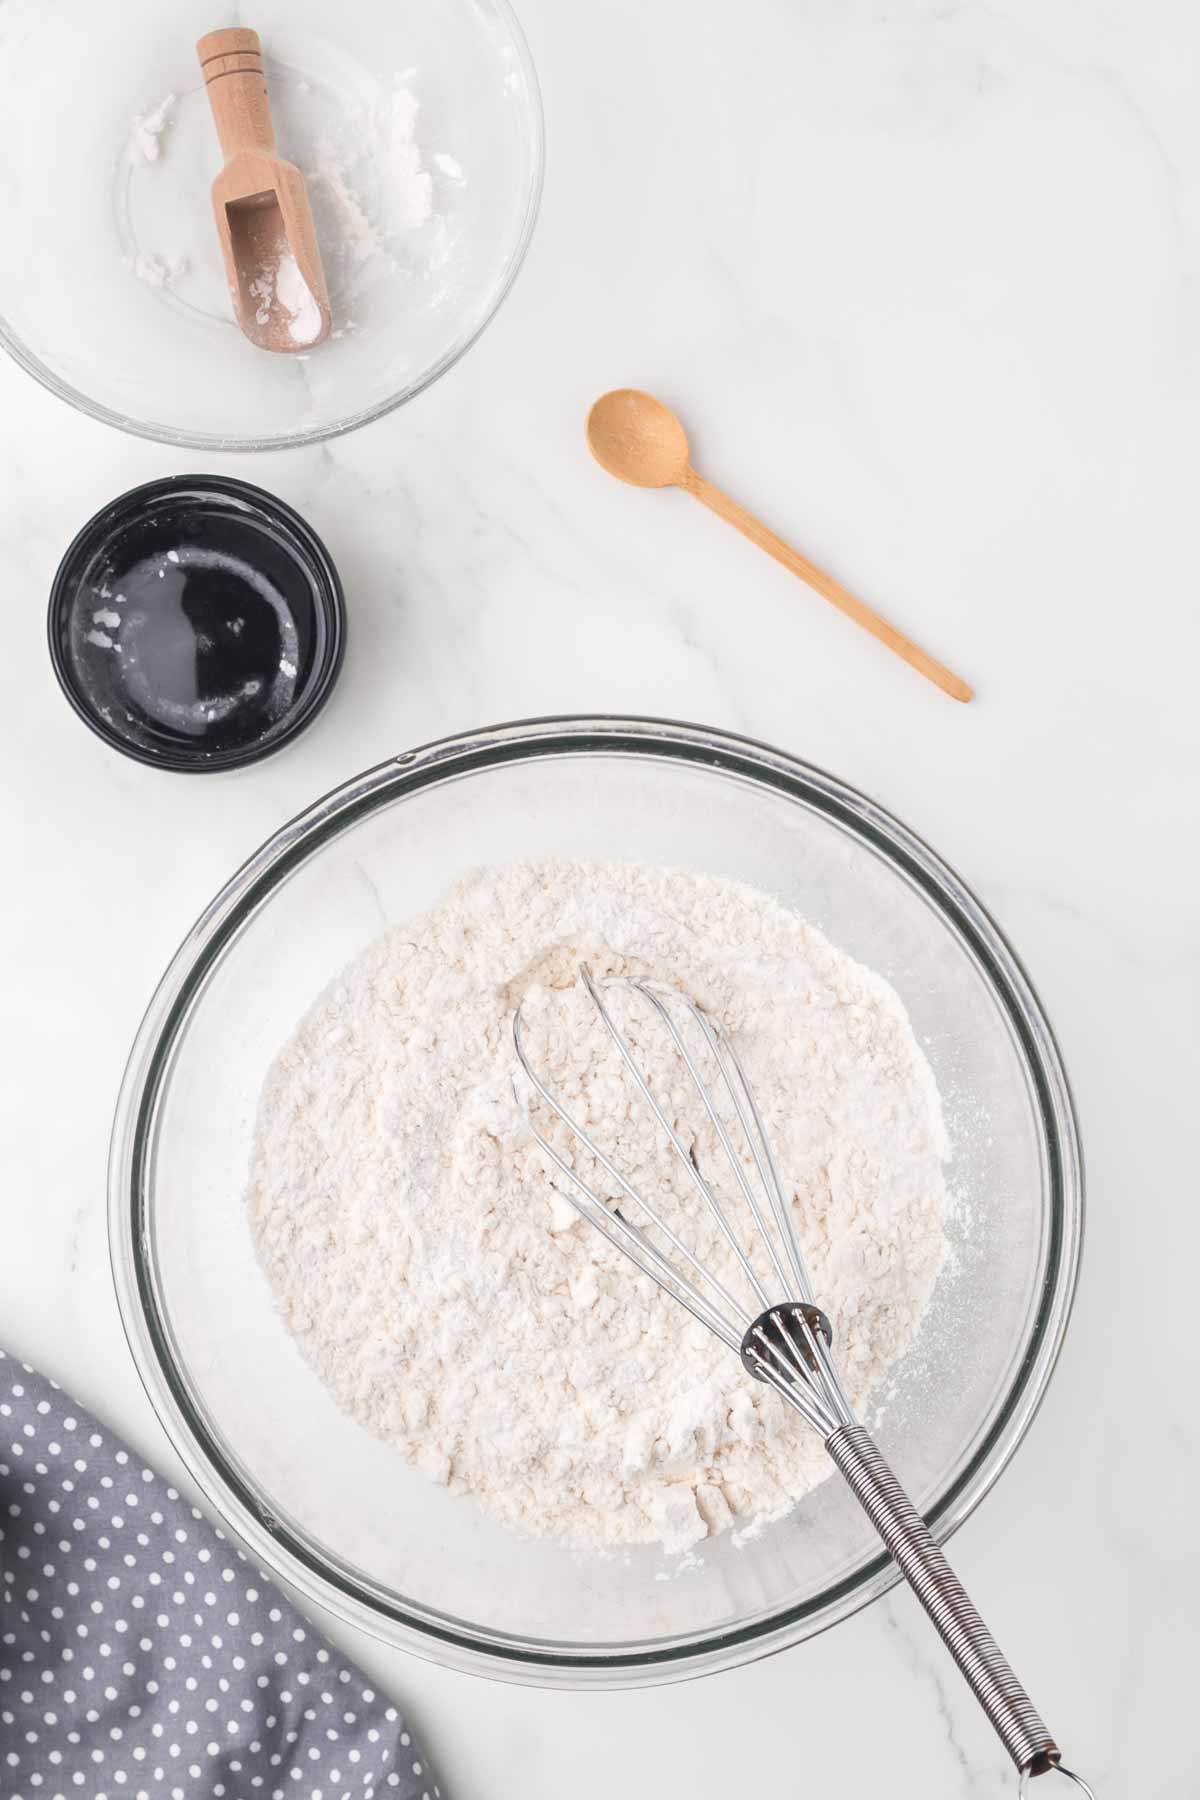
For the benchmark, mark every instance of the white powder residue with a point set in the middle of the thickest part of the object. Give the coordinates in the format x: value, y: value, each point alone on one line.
x: 297, y: 300
x: 381, y: 156
x: 393, y: 132
x: 262, y: 289
x: 158, y: 271
x: 359, y: 239
x: 452, y: 1299
x: 100, y: 639
x: 146, y: 130
x: 447, y: 165
x: 106, y: 617
x: 281, y: 284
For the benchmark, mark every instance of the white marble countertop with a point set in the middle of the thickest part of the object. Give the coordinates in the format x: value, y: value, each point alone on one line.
x: 922, y: 280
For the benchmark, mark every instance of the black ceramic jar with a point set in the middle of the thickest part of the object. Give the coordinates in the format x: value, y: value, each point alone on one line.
x: 197, y: 623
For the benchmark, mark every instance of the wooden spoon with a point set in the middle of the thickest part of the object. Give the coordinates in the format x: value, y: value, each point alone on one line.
x: 264, y: 221
x: 639, y: 440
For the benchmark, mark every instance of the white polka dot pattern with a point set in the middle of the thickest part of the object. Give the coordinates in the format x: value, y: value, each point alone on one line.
x: 142, y: 1657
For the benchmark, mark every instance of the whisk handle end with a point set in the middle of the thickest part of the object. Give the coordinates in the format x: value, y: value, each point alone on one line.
x: 1012, y: 1713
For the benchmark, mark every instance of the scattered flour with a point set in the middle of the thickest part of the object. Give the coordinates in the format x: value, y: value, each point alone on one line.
x: 450, y: 1296
x: 360, y: 239
x: 381, y: 156
x: 158, y: 271
x: 280, y: 284
x: 146, y: 130
x: 298, y: 301
x: 263, y: 290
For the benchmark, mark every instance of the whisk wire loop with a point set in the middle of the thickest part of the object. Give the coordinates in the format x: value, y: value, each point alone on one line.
x: 635, y: 1244
x: 619, y: 1230
x: 693, y: 1173
x: 745, y: 1107
x: 760, y: 1145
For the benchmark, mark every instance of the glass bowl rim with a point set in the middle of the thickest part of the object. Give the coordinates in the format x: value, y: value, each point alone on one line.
x: 160, y: 433
x: 318, y: 1578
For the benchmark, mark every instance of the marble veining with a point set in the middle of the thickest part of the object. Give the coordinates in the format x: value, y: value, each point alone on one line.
x: 920, y: 278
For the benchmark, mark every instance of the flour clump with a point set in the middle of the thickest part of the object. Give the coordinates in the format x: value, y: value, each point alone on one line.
x: 447, y: 1292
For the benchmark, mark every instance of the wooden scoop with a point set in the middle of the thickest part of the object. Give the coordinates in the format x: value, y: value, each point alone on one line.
x: 264, y: 221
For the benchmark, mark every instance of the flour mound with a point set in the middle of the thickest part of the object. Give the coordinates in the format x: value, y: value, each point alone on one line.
x: 421, y: 1248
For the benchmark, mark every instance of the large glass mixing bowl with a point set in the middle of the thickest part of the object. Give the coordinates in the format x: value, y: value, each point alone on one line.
x: 112, y: 287
x: 340, y: 1515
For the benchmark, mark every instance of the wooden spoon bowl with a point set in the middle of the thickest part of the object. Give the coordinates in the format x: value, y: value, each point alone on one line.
x: 638, y: 439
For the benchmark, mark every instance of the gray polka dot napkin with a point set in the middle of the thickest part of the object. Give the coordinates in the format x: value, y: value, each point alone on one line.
x: 142, y: 1657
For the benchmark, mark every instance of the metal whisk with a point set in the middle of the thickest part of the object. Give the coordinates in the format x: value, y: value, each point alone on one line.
x: 787, y: 1341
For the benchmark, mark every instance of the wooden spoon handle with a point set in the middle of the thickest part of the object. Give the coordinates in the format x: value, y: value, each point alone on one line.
x: 237, y: 91
x: 833, y: 590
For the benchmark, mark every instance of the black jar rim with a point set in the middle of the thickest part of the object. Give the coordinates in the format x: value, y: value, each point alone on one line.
x: 295, y: 530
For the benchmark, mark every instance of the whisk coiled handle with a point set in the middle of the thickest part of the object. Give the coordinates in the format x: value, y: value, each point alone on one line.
x: 940, y: 1592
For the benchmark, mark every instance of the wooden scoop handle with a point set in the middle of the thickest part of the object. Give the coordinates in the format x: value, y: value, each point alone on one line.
x: 232, y: 64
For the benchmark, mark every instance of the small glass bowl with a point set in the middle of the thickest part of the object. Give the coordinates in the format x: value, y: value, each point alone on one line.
x: 122, y: 310
x: 340, y: 1515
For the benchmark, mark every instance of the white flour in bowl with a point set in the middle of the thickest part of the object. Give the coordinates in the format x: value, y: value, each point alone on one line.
x: 453, y: 1300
